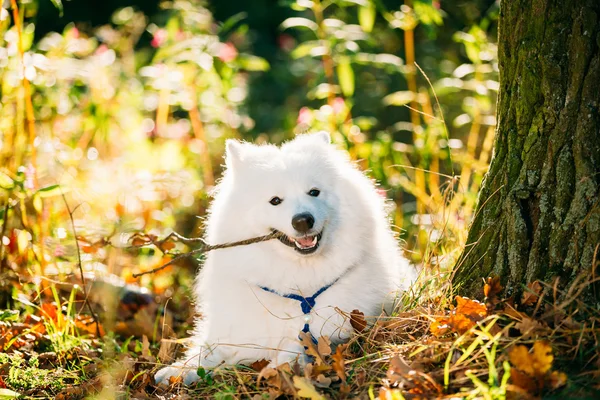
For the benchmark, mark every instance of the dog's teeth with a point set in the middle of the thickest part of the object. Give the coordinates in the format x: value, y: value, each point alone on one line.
x: 297, y: 245
x: 314, y: 241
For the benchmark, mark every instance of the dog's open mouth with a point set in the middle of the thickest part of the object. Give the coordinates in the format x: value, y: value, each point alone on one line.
x: 304, y: 245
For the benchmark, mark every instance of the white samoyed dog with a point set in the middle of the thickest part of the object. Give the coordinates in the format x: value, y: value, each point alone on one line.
x: 338, y: 254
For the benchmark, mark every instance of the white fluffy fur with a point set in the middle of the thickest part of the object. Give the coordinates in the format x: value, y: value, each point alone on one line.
x: 242, y: 323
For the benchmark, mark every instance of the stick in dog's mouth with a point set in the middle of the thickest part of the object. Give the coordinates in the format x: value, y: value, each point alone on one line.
x: 304, y: 245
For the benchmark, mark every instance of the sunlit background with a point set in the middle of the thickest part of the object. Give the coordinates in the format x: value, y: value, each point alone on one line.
x: 116, y: 113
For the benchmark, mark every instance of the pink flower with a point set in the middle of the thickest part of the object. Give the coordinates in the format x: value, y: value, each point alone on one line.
x: 227, y: 52
x: 305, y: 116
x: 59, y: 251
x: 160, y: 36
x: 338, y: 105
x: 30, y: 177
x: 101, y: 49
x: 286, y: 42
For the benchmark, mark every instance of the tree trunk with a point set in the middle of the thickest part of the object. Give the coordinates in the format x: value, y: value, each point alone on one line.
x: 538, y: 215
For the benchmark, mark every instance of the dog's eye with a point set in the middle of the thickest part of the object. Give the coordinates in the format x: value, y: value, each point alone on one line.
x: 314, y: 192
x: 275, y: 201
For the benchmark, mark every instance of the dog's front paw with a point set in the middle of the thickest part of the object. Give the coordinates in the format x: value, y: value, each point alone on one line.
x: 187, y: 373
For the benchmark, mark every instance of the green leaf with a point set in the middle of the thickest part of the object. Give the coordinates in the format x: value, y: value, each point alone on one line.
x: 313, y: 48
x: 302, y: 5
x: 9, y: 315
x: 252, y: 63
x: 231, y: 23
x: 345, y: 75
x: 297, y: 22
x: 357, y: 2
x: 323, y: 91
x: 366, y: 17
x: 9, y: 394
x: 427, y: 13
x: 382, y: 59
x: 400, y: 98
x: 58, y: 4
x: 6, y: 182
x: 50, y: 191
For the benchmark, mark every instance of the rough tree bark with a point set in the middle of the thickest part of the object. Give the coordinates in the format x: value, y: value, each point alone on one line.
x: 538, y: 214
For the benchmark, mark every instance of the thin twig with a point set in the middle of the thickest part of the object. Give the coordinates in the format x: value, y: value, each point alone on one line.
x: 207, y: 247
x: 441, y: 113
x: 84, y: 286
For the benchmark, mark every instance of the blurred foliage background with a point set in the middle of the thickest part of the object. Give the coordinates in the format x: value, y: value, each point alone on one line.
x: 113, y: 118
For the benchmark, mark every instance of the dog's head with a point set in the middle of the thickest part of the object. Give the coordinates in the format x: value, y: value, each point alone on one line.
x: 291, y: 190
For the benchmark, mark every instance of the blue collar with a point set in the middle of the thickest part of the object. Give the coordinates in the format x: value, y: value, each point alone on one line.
x: 306, y: 303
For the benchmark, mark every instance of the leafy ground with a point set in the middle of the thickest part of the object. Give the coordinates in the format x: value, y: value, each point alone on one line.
x: 434, y: 346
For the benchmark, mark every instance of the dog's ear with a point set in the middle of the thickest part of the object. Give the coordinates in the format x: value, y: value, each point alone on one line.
x: 324, y: 136
x: 234, y: 151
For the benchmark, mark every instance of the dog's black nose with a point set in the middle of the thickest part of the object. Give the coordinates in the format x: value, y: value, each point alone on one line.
x: 303, y: 222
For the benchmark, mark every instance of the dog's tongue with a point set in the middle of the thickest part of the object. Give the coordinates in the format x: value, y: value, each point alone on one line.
x: 305, y: 241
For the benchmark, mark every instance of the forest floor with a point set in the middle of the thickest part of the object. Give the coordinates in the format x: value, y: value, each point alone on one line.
x: 435, y: 346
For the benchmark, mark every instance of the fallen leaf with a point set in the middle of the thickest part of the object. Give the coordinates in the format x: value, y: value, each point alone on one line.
x: 339, y: 365
x: 470, y: 308
x: 529, y: 327
x: 50, y: 311
x: 277, y: 380
x: 465, y: 316
x: 523, y: 381
x: 440, y: 327
x: 306, y: 389
x: 323, y: 381
x: 138, y: 241
x: 259, y: 365
x: 557, y: 379
x: 530, y: 369
x: 520, y: 358
x: 145, y: 346
x: 542, y: 357
x: 358, y: 321
x: 397, y: 370
x: 166, y: 246
x: 532, y: 294
x: 166, y: 352
x: 175, y: 380
x: 324, y: 346
x: 310, y: 348
x: 492, y: 288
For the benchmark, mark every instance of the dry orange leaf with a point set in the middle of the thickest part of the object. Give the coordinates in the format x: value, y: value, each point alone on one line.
x: 532, y: 294
x: 259, y: 365
x: 536, y: 363
x: 466, y: 314
x: 470, y: 308
x: 175, y: 380
x: 531, y: 368
x: 492, y: 287
x: 166, y: 246
x: 358, y: 321
x: 557, y: 379
x: 339, y: 365
x: 139, y: 241
x: 49, y: 311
